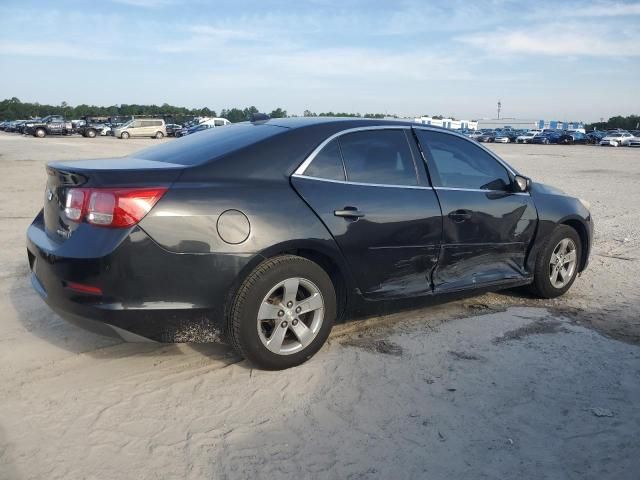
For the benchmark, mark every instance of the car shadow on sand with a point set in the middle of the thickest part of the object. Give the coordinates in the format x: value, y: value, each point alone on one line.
x: 39, y: 320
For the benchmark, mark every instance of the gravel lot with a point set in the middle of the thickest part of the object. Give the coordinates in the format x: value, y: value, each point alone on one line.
x: 492, y: 386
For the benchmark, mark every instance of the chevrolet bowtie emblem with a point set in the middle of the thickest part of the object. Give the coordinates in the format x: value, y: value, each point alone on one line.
x: 49, y: 194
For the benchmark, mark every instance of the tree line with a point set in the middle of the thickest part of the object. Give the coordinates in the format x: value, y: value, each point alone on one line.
x: 632, y: 122
x: 14, y: 109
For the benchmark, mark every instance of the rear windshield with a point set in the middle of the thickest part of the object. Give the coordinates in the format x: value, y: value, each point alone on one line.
x: 209, y: 144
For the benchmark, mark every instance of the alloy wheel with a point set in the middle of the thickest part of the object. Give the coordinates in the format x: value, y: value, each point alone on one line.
x: 562, y: 264
x: 290, y: 316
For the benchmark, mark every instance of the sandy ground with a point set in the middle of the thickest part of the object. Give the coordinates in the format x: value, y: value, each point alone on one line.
x: 493, y: 386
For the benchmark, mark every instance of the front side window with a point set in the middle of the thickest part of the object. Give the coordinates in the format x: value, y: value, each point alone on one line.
x: 379, y: 157
x: 327, y: 163
x: 455, y: 162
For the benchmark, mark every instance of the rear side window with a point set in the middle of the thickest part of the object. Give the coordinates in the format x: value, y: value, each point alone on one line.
x: 327, y: 163
x: 378, y: 156
x: 455, y: 162
x: 209, y: 145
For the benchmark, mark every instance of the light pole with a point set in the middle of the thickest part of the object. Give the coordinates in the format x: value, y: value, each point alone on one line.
x: 499, y: 107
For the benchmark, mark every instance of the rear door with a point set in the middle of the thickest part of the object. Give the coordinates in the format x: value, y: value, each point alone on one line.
x: 366, y: 189
x: 487, y: 228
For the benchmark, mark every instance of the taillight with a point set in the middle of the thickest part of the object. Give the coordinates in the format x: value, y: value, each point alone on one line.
x: 74, y: 204
x: 111, y: 207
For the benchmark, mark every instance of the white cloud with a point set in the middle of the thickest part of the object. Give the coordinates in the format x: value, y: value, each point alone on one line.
x: 146, y: 3
x: 598, y: 9
x: 52, y: 49
x: 558, y: 40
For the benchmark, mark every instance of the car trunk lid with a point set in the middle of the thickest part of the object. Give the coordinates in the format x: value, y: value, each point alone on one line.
x: 102, y: 173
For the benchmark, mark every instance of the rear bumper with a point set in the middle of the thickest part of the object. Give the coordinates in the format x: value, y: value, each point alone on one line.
x: 147, y: 292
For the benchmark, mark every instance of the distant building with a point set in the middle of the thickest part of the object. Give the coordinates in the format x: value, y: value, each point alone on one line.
x: 448, y: 123
x: 527, y: 123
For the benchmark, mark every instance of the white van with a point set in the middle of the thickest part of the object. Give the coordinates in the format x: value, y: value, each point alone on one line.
x: 216, y: 122
x: 137, y: 127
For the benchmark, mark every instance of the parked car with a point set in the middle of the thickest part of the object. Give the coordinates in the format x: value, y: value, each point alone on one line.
x: 91, y: 127
x: 10, y: 127
x: 573, y: 137
x: 635, y: 141
x: 194, y: 129
x: 616, y: 139
x: 172, y: 128
x: 595, y: 136
x: 475, y: 134
x: 526, y: 137
x: 49, y: 125
x: 216, y: 122
x: 21, y: 125
x: 141, y: 127
x: 506, y: 136
x: 486, y: 137
x: 201, y: 228
x: 548, y: 137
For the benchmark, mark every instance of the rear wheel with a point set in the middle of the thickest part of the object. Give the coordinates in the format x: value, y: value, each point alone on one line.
x: 124, y: 135
x: 557, y: 263
x: 159, y: 135
x: 282, y: 313
x: 91, y: 133
x: 41, y: 133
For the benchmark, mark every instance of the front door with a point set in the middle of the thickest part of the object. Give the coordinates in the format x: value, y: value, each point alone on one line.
x: 487, y: 227
x: 365, y: 188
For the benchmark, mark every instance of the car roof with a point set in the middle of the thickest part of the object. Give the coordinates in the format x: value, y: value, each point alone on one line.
x: 345, y: 122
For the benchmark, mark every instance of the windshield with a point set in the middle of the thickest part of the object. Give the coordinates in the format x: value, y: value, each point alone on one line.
x: 127, y: 124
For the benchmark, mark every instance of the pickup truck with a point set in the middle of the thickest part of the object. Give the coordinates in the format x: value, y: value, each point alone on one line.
x: 49, y: 125
x: 93, y: 126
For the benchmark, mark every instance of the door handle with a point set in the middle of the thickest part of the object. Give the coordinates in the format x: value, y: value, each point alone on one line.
x: 349, y: 212
x: 460, y: 215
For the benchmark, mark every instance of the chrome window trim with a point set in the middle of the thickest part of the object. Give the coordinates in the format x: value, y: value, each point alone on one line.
x: 457, y: 189
x: 498, y: 159
x: 303, y: 166
x: 360, y: 184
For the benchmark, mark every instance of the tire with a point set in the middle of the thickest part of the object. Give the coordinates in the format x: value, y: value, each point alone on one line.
x: 542, y: 285
x: 40, y: 133
x: 124, y: 135
x: 262, y: 288
x: 91, y: 133
x: 159, y: 135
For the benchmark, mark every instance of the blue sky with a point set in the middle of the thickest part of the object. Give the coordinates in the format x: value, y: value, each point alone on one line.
x: 559, y: 59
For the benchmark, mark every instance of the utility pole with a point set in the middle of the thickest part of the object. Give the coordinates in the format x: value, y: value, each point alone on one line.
x: 499, y: 107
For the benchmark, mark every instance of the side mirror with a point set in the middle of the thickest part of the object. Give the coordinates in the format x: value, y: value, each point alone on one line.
x: 521, y: 184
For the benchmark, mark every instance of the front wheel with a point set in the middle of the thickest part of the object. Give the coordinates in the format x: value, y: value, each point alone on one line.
x: 282, y: 313
x: 124, y: 135
x: 41, y: 133
x: 557, y: 263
